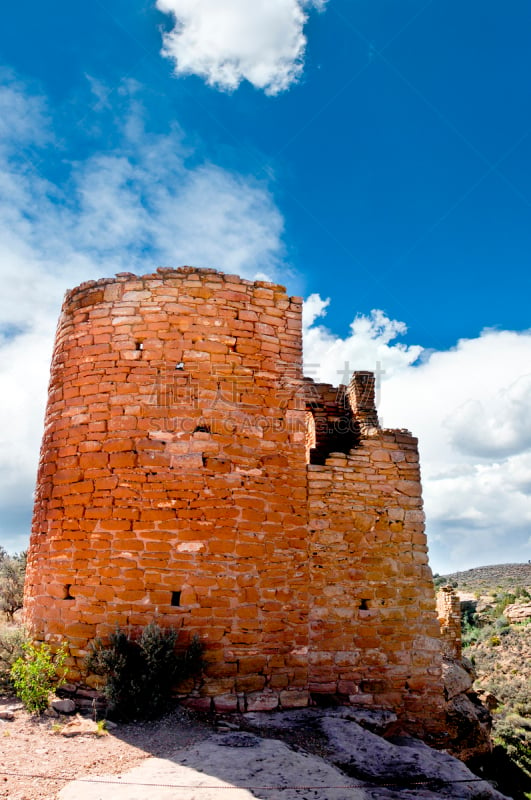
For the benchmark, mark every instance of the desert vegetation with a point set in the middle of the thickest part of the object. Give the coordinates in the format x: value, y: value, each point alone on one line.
x: 12, y: 636
x: 141, y: 673
x: 12, y: 570
x: 138, y: 673
x: 501, y: 654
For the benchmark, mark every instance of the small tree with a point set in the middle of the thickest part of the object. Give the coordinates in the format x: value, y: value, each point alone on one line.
x: 12, y: 640
x: 12, y: 572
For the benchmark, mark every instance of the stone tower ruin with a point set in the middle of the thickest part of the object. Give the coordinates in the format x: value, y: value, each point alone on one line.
x: 191, y: 475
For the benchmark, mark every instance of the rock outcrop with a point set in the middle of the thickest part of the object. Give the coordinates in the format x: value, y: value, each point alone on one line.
x: 518, y: 612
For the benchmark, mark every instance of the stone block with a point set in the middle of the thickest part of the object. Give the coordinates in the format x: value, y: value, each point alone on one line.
x: 322, y: 688
x: 197, y: 703
x: 65, y: 706
x: 226, y: 703
x: 217, y: 686
x: 262, y: 701
x: 294, y: 698
x: 250, y: 683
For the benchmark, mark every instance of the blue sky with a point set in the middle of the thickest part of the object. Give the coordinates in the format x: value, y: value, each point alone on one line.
x: 373, y: 156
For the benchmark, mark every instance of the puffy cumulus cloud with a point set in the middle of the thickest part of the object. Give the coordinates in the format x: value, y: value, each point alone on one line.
x: 469, y: 406
x: 133, y: 207
x: 228, y: 41
x: 370, y: 345
x: 314, y: 307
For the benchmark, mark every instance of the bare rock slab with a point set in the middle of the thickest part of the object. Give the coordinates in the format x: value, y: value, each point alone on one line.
x: 242, y: 766
x: 408, y: 763
x: 226, y: 767
x: 406, y: 760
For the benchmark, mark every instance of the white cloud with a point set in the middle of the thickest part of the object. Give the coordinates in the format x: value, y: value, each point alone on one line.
x: 228, y: 41
x: 469, y: 406
x: 23, y: 118
x: 500, y: 429
x: 132, y: 208
x: 313, y: 308
x: 369, y: 346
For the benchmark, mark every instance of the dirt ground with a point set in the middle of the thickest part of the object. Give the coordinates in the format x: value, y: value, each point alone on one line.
x: 37, y: 760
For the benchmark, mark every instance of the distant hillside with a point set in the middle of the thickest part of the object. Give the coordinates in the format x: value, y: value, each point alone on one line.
x: 486, y: 580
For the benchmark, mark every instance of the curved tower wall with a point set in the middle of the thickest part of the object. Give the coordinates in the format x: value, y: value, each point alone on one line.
x: 172, y: 479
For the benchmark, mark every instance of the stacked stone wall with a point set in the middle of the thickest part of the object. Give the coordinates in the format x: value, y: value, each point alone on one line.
x: 175, y: 485
x: 172, y: 481
x: 373, y: 627
x: 449, y: 614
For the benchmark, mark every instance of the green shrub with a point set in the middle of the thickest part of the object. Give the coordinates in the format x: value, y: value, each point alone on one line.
x: 469, y: 634
x: 515, y: 737
x: 502, y: 601
x: 12, y: 640
x: 35, y: 674
x: 140, y: 674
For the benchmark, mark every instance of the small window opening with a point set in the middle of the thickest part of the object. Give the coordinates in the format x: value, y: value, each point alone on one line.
x: 202, y: 429
x: 175, y: 598
x: 139, y: 345
x: 67, y: 595
x: 364, y: 605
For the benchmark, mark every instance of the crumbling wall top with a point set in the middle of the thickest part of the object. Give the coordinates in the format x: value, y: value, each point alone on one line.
x: 90, y: 292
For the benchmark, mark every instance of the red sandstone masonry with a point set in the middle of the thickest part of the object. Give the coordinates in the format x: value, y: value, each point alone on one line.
x: 174, y: 485
x: 373, y: 628
x: 449, y: 613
